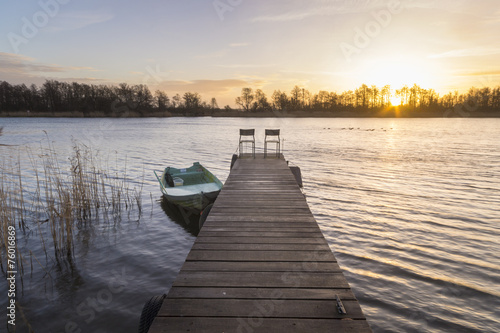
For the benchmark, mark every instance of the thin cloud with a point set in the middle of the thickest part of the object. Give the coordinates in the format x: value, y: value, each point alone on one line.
x: 16, y: 69
x: 10, y: 62
x: 238, y: 44
x: 216, y: 54
x: 79, y: 20
x: 320, y: 8
x: 472, y: 52
x: 245, y: 65
x: 481, y: 73
x: 337, y: 7
x: 311, y: 72
x: 203, y: 86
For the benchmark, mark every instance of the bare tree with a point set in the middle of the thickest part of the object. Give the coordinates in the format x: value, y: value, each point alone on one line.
x: 295, y: 97
x: 192, y: 100
x: 246, y: 98
x: 213, y: 104
x: 162, y: 100
x: 176, y: 101
x: 261, y: 103
x: 280, y: 100
x: 375, y: 95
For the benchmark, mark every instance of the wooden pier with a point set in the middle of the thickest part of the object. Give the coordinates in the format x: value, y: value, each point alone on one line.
x: 260, y: 264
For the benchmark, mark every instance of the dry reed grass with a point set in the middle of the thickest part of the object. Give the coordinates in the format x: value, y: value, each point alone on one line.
x: 56, y: 198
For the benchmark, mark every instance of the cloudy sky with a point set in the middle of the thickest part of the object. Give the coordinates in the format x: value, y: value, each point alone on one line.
x: 217, y: 47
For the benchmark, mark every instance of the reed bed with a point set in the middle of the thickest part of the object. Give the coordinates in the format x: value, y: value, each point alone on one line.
x: 56, y: 198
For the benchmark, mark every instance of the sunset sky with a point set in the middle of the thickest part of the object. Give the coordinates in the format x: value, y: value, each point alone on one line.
x: 217, y: 47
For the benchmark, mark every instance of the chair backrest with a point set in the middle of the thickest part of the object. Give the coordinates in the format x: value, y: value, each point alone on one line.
x: 275, y: 132
x: 247, y: 132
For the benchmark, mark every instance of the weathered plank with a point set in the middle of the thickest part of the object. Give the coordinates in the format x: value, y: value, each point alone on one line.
x: 239, y: 255
x: 252, y: 229
x: 256, y: 324
x: 261, y: 293
x: 261, y: 266
x: 258, y: 240
x: 259, y: 247
x: 262, y: 233
x: 264, y: 225
x: 272, y: 308
x: 249, y: 218
x: 261, y: 279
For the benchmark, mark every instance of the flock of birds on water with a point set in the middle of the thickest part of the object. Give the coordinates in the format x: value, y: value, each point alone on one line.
x: 352, y: 128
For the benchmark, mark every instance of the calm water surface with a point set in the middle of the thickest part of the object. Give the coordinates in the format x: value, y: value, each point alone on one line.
x: 410, y: 208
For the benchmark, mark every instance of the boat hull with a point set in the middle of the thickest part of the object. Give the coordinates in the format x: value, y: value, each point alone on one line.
x: 196, y: 202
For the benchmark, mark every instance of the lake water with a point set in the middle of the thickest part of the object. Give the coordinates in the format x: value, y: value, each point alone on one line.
x: 410, y: 207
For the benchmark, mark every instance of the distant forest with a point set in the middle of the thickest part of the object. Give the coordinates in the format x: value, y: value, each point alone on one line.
x: 56, y: 98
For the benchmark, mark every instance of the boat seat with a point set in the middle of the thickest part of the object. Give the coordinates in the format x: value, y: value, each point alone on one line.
x: 189, y: 189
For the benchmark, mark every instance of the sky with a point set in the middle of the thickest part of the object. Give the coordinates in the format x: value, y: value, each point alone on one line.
x: 217, y: 47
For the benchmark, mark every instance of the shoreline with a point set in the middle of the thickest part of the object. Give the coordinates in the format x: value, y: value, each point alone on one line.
x: 394, y: 112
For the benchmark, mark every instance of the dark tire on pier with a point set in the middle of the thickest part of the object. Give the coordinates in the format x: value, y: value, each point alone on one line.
x: 297, y: 174
x: 233, y: 160
x: 149, y: 312
x: 204, y: 215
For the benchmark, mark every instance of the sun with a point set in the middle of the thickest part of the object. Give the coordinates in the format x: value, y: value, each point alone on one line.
x: 395, y: 101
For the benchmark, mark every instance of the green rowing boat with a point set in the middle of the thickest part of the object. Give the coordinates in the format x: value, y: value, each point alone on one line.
x: 191, y: 188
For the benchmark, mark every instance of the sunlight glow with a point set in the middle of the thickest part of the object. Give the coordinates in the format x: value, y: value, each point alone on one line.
x: 395, y: 101
x: 399, y: 72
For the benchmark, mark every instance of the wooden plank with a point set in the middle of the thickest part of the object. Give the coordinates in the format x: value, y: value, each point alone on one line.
x: 273, y: 308
x: 239, y: 255
x: 261, y: 293
x: 256, y: 324
x: 260, y: 247
x: 262, y: 233
x: 280, y: 199
x: 261, y: 279
x: 262, y: 204
x: 250, y: 186
x: 263, y: 225
x: 264, y: 214
x: 261, y: 266
x: 261, y: 210
x: 258, y: 240
x: 237, y: 218
x: 211, y: 228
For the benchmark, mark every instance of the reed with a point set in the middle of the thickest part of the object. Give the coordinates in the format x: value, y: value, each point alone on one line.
x: 58, y: 197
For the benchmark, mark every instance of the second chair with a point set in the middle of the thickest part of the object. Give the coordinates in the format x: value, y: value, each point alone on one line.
x: 272, y: 136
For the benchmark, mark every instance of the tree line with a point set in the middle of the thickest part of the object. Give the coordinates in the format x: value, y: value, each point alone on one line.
x: 368, y: 97
x: 56, y: 97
